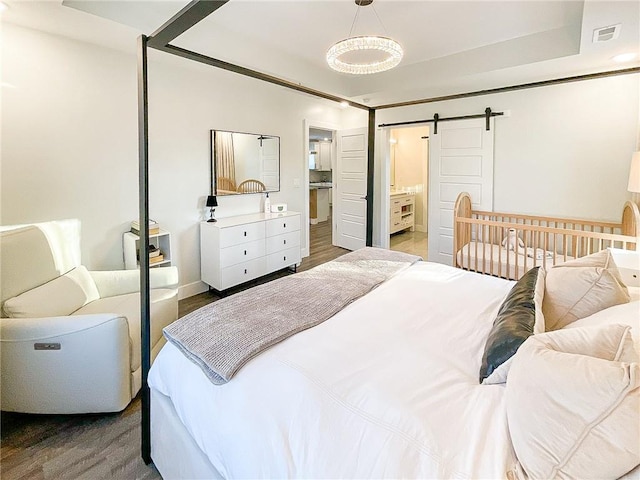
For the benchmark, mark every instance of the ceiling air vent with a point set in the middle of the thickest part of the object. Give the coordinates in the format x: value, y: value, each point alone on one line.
x: 605, y: 34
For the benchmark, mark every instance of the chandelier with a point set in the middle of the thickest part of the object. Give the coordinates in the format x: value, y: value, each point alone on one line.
x: 365, y: 54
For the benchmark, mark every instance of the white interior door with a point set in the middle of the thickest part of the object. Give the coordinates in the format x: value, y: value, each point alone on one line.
x: 460, y: 160
x: 350, y: 180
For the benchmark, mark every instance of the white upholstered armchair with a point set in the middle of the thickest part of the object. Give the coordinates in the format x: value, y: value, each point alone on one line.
x: 70, y: 338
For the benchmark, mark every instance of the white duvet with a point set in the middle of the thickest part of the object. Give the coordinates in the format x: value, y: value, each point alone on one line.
x: 387, y: 388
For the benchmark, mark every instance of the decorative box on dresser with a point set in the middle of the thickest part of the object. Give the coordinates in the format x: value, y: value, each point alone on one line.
x: 234, y: 250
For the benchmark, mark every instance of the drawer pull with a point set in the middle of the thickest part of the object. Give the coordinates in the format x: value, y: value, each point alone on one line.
x: 285, y: 242
x: 285, y: 258
x: 245, y: 234
x: 245, y: 252
x: 245, y: 271
x: 284, y: 225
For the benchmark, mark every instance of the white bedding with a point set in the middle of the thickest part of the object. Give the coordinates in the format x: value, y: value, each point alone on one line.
x: 387, y: 388
x: 492, y: 259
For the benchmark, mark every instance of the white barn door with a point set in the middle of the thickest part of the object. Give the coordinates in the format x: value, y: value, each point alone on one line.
x: 350, y: 209
x: 460, y: 160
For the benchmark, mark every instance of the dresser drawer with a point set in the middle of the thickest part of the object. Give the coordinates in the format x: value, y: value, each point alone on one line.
x: 408, y: 200
x: 243, y: 272
x: 241, y: 234
x: 277, y: 226
x: 401, y: 200
x: 283, y: 242
x: 285, y: 258
x: 241, y: 253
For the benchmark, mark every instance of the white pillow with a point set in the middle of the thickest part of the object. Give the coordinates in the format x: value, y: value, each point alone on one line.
x: 573, y: 403
x: 581, y: 287
x: 624, y: 314
x: 61, y: 296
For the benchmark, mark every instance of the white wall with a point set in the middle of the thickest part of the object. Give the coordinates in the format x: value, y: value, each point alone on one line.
x: 69, y: 128
x: 564, y: 150
x: 70, y: 141
x: 186, y: 100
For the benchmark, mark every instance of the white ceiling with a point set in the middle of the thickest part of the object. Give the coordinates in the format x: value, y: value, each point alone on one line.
x: 450, y: 46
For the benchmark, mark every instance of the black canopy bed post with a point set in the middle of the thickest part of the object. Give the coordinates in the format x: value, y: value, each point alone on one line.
x: 178, y: 24
x: 143, y: 186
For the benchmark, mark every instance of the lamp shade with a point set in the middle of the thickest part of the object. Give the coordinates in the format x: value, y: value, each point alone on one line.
x: 634, y: 173
x: 212, y: 201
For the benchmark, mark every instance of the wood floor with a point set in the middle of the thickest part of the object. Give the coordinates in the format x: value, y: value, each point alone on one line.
x: 97, y: 446
x: 106, y: 446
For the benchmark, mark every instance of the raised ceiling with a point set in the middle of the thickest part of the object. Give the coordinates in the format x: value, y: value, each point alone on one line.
x: 450, y: 46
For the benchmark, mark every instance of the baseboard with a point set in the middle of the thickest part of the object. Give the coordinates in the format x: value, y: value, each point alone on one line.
x: 191, y: 289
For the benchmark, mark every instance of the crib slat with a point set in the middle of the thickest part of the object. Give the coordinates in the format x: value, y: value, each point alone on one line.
x: 476, y: 244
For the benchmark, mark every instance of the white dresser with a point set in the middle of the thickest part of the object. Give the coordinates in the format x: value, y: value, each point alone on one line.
x: 235, y: 250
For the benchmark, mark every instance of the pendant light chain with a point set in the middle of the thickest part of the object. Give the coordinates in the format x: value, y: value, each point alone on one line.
x: 355, y: 19
x: 379, y: 20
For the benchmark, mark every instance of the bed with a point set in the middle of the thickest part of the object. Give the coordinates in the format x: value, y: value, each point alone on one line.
x: 385, y: 388
x: 481, y: 239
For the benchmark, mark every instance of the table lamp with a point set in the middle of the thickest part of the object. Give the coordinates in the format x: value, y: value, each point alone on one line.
x: 211, y: 203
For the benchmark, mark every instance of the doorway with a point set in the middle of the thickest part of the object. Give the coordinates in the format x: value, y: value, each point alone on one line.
x: 335, y: 171
x: 408, y: 190
x: 321, y: 161
x: 320, y: 149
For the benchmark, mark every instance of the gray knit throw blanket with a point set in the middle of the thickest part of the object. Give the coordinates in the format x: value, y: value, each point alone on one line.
x: 222, y: 336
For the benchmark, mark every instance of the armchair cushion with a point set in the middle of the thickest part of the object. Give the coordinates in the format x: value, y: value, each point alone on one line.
x: 120, y: 282
x: 164, y: 310
x: 61, y: 296
x: 35, y: 254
